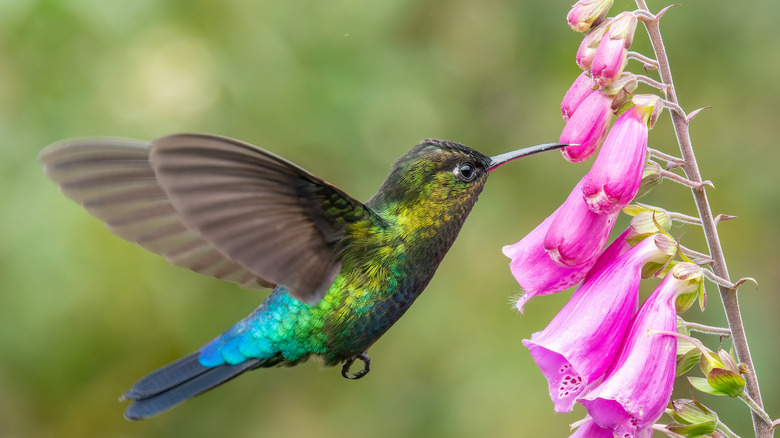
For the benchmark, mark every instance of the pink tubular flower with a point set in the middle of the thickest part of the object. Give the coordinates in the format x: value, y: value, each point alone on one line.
x: 590, y: 43
x: 639, y: 383
x: 578, y: 345
x: 609, y: 58
x: 587, y: 13
x: 581, y: 88
x: 616, y: 175
x: 577, y: 235
x: 535, y: 271
x: 587, y: 127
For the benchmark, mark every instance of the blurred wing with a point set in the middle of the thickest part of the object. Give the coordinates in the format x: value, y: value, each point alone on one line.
x: 114, y: 181
x: 270, y: 216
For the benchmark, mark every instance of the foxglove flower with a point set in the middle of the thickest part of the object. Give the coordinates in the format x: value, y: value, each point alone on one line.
x: 535, y: 271
x: 609, y: 59
x: 590, y: 43
x: 587, y: 13
x: 587, y: 127
x: 582, y: 87
x: 577, y: 235
x: 639, y: 383
x: 616, y: 175
x: 578, y: 345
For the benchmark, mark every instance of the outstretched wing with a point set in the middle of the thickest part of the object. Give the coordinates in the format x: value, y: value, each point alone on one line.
x: 114, y: 181
x: 220, y: 207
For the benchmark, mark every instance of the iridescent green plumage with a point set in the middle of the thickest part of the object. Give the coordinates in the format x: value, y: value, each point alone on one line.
x: 344, y: 271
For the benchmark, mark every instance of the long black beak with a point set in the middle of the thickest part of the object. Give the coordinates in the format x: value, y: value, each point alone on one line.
x: 509, y: 156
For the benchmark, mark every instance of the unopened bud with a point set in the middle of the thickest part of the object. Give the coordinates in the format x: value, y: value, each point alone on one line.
x: 590, y: 43
x: 692, y: 418
x: 588, y: 13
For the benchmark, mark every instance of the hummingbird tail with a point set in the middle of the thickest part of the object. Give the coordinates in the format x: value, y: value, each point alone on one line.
x: 178, y: 381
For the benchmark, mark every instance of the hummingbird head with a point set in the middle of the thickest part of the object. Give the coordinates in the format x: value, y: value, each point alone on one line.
x: 431, y: 190
x: 435, y: 172
x: 443, y: 172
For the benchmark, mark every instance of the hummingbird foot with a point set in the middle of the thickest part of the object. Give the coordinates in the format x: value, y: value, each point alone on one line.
x: 348, y: 364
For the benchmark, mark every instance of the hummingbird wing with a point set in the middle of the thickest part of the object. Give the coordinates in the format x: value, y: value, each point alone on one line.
x: 114, y: 181
x: 272, y: 217
x: 227, y: 210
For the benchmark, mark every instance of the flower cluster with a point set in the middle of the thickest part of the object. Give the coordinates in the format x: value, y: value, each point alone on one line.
x: 561, y: 251
x: 602, y: 349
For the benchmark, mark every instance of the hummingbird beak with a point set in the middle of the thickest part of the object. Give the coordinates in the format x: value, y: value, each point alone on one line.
x: 509, y: 156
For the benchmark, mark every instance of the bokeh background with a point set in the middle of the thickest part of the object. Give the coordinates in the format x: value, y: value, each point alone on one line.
x: 343, y: 88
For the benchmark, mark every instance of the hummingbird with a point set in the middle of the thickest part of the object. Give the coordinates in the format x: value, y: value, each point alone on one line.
x: 342, y: 271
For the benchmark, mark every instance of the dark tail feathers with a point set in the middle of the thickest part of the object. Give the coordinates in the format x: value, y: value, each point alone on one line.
x: 176, y: 382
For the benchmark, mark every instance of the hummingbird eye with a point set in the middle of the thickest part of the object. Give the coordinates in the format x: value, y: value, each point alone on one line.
x: 465, y: 171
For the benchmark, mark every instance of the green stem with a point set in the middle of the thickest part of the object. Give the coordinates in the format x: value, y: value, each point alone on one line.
x: 701, y: 328
x: 726, y: 431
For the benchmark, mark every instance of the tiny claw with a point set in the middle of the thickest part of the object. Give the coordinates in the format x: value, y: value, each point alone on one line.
x: 363, y: 357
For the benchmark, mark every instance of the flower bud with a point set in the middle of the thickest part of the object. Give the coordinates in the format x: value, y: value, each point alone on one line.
x: 723, y: 375
x: 587, y: 13
x: 610, y: 57
x: 616, y: 175
x: 692, y: 418
x: 582, y: 87
x: 590, y: 43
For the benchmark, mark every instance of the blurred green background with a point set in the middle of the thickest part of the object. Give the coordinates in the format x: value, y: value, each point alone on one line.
x: 343, y: 88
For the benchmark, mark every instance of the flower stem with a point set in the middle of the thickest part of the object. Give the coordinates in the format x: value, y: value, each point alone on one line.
x: 691, y: 168
x: 701, y: 328
x: 726, y: 431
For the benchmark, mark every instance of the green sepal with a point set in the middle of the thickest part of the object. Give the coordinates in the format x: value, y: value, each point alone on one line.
x: 700, y: 383
x: 687, y: 360
x: 693, y: 430
x: 728, y: 382
x: 690, y: 411
x: 684, y: 302
x: 651, y: 177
